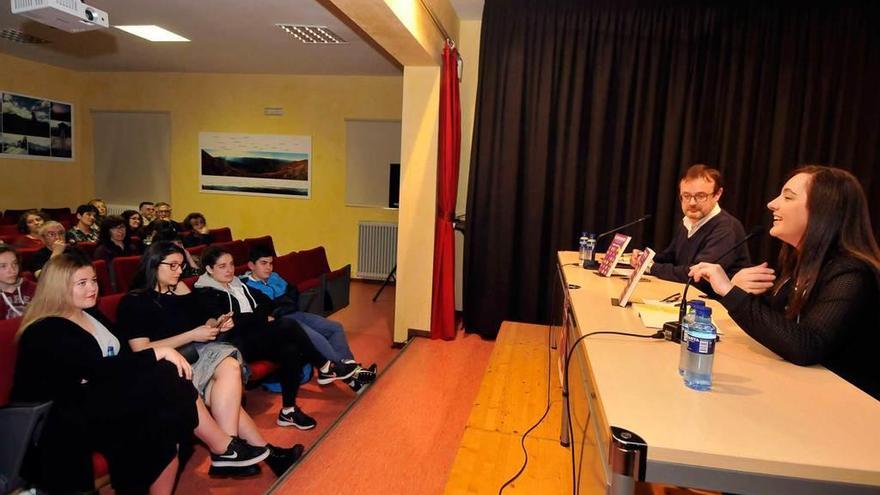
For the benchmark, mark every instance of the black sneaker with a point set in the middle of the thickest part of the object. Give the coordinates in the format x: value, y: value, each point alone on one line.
x: 356, y: 386
x: 280, y: 459
x: 239, y: 454
x: 367, y: 375
x: 235, y: 472
x: 341, y: 371
x: 296, y: 418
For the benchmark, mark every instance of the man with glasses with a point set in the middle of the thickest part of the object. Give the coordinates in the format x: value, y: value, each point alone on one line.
x: 705, y: 233
x: 53, y: 236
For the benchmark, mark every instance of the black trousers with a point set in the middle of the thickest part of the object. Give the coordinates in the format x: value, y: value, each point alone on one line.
x: 285, y: 343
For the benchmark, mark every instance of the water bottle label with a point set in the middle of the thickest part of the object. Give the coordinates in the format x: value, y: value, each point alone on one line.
x: 700, y: 346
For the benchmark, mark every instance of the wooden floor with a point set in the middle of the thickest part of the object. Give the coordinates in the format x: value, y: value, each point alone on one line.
x: 512, y: 397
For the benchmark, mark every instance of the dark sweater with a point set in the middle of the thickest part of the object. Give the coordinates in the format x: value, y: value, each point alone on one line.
x: 839, y: 327
x: 712, y: 240
x: 96, y: 400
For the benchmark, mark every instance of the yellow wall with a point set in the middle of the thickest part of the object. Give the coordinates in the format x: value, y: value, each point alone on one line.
x: 418, y: 193
x: 314, y: 105
x: 44, y: 183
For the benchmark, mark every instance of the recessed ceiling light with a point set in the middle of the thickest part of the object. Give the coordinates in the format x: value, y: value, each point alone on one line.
x: 152, y: 33
x: 312, y: 34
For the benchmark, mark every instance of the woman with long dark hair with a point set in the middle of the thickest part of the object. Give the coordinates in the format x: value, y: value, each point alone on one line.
x: 823, y: 308
x: 258, y: 334
x: 114, y: 240
x: 133, y: 222
x: 162, y: 312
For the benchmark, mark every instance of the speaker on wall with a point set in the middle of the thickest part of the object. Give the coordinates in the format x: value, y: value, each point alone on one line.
x: 394, y: 185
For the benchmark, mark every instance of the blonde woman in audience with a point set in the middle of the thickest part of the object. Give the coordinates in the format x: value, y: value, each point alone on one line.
x: 138, y: 409
x: 29, y: 224
x: 101, y: 206
x: 15, y: 291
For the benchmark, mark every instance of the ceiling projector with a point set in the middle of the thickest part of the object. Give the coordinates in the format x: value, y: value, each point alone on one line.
x: 72, y: 16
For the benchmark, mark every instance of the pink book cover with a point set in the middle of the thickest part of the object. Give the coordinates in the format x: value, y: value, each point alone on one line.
x: 613, y: 254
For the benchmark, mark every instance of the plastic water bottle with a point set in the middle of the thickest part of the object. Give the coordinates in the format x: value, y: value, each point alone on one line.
x: 685, y: 324
x: 591, y: 245
x: 701, y: 338
x: 111, y: 351
x: 582, y: 253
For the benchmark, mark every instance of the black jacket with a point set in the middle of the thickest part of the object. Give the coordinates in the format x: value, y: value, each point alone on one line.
x: 839, y: 327
x: 96, y: 400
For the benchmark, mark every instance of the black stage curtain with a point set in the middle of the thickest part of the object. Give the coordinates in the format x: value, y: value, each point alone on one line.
x: 588, y: 112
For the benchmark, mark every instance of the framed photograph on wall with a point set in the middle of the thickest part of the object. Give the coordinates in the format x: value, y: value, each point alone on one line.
x: 35, y: 128
x: 256, y: 164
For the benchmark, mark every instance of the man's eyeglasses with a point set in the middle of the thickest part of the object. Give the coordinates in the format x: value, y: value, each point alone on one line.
x: 173, y: 266
x: 54, y: 234
x: 700, y: 197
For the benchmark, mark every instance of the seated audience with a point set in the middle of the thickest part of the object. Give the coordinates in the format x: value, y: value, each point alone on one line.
x: 192, y: 267
x: 327, y: 336
x: 29, y: 224
x: 85, y: 229
x: 148, y: 212
x: 132, y: 222
x: 15, y: 292
x: 163, y: 212
x: 52, y: 235
x: 157, y: 225
x: 114, y: 240
x: 101, y: 206
x: 161, y: 311
x: 822, y: 309
x: 99, y: 390
x: 198, y: 230
x: 257, y: 333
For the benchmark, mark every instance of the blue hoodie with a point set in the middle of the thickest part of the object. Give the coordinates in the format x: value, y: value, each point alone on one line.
x: 275, y: 287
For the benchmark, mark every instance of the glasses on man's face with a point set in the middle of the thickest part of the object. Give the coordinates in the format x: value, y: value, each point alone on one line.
x: 173, y: 266
x: 700, y: 197
x: 54, y: 234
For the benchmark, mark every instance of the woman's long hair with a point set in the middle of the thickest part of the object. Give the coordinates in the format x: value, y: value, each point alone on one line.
x: 110, y: 222
x: 53, y: 295
x: 147, y: 277
x: 838, y: 222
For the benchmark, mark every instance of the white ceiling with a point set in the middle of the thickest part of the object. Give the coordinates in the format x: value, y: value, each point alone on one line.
x: 468, y: 10
x: 228, y: 36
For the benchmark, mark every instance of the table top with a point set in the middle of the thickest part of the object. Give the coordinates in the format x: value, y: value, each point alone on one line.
x: 763, y: 414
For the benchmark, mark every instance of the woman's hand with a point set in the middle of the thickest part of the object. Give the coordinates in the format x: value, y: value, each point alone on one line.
x: 714, y: 274
x: 58, y: 247
x: 755, y: 279
x: 224, y: 323
x: 204, y: 333
x: 184, y: 370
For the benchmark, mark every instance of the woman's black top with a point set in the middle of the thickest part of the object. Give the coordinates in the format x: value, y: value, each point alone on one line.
x: 157, y: 316
x: 108, y: 250
x: 131, y: 408
x: 839, y: 326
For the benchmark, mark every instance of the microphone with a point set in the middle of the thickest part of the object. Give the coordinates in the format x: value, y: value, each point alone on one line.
x: 591, y: 263
x: 672, y: 329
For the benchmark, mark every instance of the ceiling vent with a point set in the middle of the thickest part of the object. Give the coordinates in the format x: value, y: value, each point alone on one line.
x: 321, y: 35
x: 20, y: 37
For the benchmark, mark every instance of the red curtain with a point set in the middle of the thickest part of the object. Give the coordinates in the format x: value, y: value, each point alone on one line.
x: 449, y: 148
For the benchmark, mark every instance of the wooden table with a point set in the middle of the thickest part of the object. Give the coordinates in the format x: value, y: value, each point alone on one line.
x: 766, y: 427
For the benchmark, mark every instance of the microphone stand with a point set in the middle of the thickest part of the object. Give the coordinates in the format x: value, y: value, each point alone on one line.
x: 672, y: 329
x: 592, y: 264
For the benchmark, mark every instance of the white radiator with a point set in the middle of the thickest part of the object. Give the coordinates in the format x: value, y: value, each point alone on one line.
x: 118, y: 209
x: 377, y: 249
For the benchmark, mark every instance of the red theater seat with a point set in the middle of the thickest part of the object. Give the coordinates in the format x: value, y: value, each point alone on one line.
x: 124, y: 268
x: 105, y: 286
x: 221, y: 235
x: 109, y: 304
x: 265, y: 241
x: 238, y: 250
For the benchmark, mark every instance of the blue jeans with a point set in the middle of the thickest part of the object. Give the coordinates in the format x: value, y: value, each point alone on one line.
x: 327, y: 336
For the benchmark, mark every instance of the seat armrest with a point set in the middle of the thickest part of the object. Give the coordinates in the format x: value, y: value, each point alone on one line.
x: 20, y: 427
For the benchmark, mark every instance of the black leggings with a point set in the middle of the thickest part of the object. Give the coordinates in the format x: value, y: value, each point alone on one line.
x: 285, y: 343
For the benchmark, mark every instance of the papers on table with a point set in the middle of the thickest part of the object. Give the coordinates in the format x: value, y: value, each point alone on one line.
x: 655, y: 313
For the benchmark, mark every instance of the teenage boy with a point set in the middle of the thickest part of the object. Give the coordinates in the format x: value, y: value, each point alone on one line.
x: 327, y: 336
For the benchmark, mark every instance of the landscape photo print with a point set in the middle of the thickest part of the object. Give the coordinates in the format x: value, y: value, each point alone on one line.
x: 35, y: 128
x: 256, y: 164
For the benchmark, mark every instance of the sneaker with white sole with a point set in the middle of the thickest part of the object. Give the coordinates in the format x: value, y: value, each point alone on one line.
x: 239, y: 454
x: 341, y: 371
x: 297, y: 419
x: 367, y: 375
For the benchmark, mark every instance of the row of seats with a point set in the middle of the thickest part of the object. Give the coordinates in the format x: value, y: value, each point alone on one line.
x: 11, y: 216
